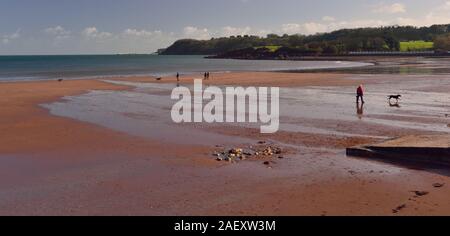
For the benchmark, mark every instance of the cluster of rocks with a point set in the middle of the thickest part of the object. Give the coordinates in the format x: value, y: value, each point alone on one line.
x: 262, y: 150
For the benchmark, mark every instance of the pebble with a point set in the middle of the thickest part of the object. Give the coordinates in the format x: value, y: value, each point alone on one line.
x: 438, y: 185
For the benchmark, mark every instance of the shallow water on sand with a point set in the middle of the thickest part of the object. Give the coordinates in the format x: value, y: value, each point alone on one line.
x: 145, y: 111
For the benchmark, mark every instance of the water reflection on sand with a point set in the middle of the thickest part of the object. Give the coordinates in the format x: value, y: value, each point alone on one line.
x: 145, y: 111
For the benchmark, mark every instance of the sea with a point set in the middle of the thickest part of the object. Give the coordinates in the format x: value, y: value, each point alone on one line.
x: 20, y: 68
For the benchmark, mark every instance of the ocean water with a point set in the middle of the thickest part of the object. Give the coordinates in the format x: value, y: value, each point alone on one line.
x: 84, y: 66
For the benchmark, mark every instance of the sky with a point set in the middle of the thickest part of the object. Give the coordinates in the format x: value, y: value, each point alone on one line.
x: 32, y: 27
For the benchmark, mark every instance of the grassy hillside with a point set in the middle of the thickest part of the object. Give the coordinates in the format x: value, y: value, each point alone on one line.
x: 416, y: 46
x: 271, y: 48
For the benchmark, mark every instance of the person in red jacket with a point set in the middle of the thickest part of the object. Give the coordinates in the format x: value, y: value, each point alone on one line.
x: 360, y: 94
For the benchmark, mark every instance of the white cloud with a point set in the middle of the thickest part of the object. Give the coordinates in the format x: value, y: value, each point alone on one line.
x: 328, y: 18
x: 305, y: 28
x: 437, y: 15
x: 58, y: 32
x: 140, y: 40
x: 94, y: 33
x: 196, y: 33
x: 317, y: 27
x: 193, y: 32
x: 232, y: 31
x: 141, y: 33
x: 390, y: 8
x: 10, y: 37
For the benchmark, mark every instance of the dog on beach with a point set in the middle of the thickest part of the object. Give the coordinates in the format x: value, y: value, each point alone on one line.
x: 396, y: 97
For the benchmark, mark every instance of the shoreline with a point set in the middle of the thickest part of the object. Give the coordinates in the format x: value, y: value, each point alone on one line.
x: 127, y: 74
x: 376, y: 64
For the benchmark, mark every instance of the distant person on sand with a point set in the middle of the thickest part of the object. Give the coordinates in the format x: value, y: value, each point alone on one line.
x: 178, y: 76
x: 360, y: 94
x: 205, y: 76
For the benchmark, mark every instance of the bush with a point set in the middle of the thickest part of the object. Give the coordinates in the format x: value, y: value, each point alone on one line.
x: 442, y: 43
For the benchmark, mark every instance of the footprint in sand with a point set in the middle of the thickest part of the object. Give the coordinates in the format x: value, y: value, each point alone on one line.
x: 399, y: 208
x: 417, y: 195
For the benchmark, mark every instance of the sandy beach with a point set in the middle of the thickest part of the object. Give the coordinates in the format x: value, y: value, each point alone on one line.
x: 108, y: 147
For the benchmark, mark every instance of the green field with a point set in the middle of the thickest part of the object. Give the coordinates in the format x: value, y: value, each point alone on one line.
x: 271, y: 48
x: 416, y: 46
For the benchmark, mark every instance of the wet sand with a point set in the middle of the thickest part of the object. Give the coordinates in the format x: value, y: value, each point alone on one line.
x: 258, y: 79
x: 79, y: 155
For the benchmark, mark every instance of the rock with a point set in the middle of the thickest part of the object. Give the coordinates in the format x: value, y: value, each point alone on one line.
x: 248, y: 153
x: 438, y: 185
x: 266, y: 163
x: 268, y: 152
x: 262, y: 142
x: 219, y: 159
x: 60, y: 80
x: 281, y: 157
x: 236, y: 151
x: 277, y: 150
x: 421, y: 193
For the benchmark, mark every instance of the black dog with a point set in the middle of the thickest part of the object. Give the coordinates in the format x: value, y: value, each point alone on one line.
x: 396, y: 97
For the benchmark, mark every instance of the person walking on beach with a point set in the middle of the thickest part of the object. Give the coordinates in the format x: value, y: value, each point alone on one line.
x: 205, y: 76
x: 178, y: 77
x: 360, y: 94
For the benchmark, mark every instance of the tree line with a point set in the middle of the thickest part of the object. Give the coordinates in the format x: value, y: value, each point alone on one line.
x: 333, y: 43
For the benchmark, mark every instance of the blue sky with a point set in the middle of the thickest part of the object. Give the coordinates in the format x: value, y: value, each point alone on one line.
x: 142, y: 26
